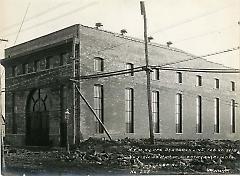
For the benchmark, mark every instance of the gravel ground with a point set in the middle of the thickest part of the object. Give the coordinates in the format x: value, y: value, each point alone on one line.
x: 127, y: 157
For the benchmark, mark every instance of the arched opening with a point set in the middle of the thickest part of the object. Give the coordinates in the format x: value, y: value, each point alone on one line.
x: 37, y: 118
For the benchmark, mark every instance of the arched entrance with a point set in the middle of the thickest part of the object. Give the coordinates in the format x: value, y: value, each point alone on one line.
x: 37, y: 118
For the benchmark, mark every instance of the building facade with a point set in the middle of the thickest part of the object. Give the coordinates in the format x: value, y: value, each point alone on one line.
x: 185, y: 105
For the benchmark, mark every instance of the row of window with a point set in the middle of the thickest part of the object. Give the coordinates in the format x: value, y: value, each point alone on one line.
x: 129, y: 111
x: 41, y: 64
x: 51, y: 62
x: 98, y: 66
x: 199, y: 81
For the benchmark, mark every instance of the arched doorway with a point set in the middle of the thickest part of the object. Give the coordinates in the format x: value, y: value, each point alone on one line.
x: 37, y: 118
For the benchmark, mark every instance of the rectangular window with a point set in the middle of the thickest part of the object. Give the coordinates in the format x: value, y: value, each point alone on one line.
x: 179, y: 77
x: 37, y: 65
x: 155, y: 74
x: 98, y: 64
x: 64, y: 58
x: 130, y: 66
x: 199, y: 80
x: 199, y: 114
x: 18, y: 70
x: 47, y: 63
x: 155, y: 111
x: 217, y: 115
x: 14, y: 71
x: 98, y: 106
x: 14, y: 108
x: 233, y: 116
x: 232, y: 86
x: 179, y: 113
x: 129, y: 102
x: 55, y: 61
x: 30, y: 67
x: 217, y: 84
x: 25, y: 68
x: 42, y: 64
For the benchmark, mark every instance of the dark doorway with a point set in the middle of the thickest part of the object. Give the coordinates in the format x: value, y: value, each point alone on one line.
x: 37, y: 131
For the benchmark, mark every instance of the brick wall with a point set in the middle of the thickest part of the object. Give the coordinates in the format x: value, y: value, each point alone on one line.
x: 97, y: 43
x: 48, y: 79
x: 93, y: 40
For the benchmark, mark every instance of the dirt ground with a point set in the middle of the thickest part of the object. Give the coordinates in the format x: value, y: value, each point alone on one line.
x: 127, y: 157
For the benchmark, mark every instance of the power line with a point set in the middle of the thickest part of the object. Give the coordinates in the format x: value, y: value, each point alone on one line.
x: 55, y: 18
x: 208, y: 55
x: 160, y: 66
x: 190, y: 20
x: 199, y: 57
x: 203, y: 34
x: 35, y: 16
x: 113, y: 73
x: 136, y: 69
x: 199, y: 70
x: 22, y: 23
x: 139, y: 69
x: 205, y: 69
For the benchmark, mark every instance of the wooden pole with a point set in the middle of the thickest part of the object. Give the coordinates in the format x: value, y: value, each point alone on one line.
x: 73, y: 89
x: 2, y: 168
x: 148, y: 72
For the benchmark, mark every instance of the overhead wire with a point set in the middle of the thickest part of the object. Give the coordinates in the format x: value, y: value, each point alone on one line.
x: 35, y: 16
x: 199, y: 57
x: 113, y: 73
x: 210, y: 70
x: 139, y: 69
x: 224, y: 69
x: 122, y: 72
x: 55, y: 18
x: 190, y: 20
x: 84, y: 8
x: 22, y: 23
x: 124, y: 42
x: 199, y: 70
x: 203, y: 34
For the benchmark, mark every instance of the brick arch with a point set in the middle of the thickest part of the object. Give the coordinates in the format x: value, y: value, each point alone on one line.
x: 37, y: 118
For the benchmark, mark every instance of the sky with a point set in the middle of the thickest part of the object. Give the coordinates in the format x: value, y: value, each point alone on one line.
x: 199, y: 27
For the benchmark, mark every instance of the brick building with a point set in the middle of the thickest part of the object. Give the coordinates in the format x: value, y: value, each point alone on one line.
x: 186, y: 105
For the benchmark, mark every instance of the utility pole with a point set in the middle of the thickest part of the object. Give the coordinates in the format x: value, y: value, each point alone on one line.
x: 239, y: 51
x: 2, y: 167
x: 239, y: 42
x: 148, y: 72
